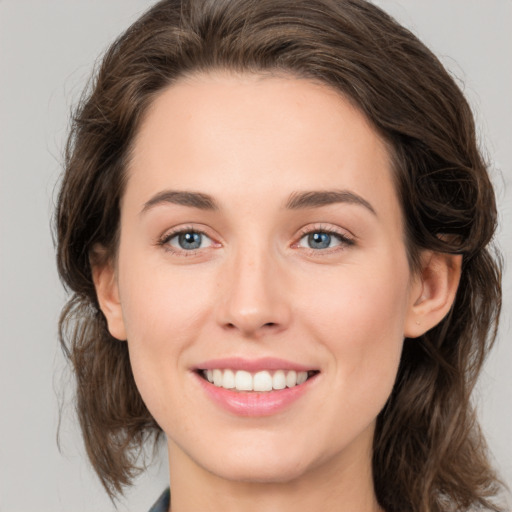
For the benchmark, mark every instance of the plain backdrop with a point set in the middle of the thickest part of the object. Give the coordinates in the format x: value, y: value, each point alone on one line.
x: 47, y: 51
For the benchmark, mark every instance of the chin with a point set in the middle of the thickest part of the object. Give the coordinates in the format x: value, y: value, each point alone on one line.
x: 259, y: 462
x: 263, y: 472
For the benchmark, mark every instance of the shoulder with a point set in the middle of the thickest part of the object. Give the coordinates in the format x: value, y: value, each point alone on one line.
x: 162, y: 504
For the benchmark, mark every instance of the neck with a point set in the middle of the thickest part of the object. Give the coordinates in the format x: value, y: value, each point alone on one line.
x: 331, y: 486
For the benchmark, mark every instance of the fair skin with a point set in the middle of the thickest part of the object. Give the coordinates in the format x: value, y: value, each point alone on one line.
x: 320, y: 282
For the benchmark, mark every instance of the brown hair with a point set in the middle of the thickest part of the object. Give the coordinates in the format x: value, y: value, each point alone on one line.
x: 429, y: 454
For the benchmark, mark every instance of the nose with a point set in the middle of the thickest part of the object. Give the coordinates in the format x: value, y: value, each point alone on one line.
x: 254, y: 299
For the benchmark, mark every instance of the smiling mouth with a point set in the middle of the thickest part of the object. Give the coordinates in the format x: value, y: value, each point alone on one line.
x: 261, y: 381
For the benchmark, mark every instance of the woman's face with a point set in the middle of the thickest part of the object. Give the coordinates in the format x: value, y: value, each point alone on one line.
x: 261, y: 235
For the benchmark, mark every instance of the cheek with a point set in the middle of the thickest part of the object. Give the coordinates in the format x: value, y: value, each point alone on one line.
x: 161, y: 305
x: 164, y: 312
x: 359, y: 320
x: 352, y: 302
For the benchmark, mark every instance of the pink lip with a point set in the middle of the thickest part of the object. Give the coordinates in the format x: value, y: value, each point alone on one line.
x: 252, y: 365
x: 250, y: 403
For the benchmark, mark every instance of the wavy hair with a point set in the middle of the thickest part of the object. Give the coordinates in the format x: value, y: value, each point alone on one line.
x: 429, y: 454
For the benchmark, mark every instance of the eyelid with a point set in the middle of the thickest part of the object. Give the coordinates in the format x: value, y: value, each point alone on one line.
x: 177, y: 236
x: 168, y: 235
x: 346, y: 238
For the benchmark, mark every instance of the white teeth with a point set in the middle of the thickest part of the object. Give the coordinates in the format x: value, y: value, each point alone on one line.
x: 291, y: 379
x: 217, y: 377
x: 279, y: 380
x: 301, y: 377
x: 228, y: 380
x: 243, y: 381
x: 260, y: 381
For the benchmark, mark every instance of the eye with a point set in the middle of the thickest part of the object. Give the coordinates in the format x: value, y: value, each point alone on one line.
x: 188, y: 240
x: 323, y: 239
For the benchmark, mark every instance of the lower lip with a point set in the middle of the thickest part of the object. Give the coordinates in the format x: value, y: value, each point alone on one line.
x: 253, y: 403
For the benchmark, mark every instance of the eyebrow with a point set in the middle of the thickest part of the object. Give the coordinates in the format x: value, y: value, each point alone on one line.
x: 184, y: 198
x: 296, y: 201
x: 316, y: 199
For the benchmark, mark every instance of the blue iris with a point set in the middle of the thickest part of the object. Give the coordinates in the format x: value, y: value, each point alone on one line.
x: 319, y: 240
x: 190, y: 241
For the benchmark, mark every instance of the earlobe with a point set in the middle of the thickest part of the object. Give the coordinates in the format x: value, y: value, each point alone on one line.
x: 433, y: 292
x: 105, y: 282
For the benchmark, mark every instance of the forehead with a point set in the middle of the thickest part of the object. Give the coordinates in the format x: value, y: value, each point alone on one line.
x: 224, y: 133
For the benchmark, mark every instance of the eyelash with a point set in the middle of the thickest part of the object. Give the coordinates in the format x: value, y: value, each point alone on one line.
x: 167, y: 237
x: 345, y: 241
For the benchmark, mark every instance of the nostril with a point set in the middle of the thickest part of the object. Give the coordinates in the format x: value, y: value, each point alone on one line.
x: 251, y: 326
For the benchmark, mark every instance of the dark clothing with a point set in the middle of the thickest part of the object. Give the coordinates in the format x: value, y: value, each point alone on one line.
x: 162, y: 504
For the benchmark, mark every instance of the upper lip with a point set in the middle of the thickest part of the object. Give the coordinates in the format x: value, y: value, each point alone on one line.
x: 253, y: 365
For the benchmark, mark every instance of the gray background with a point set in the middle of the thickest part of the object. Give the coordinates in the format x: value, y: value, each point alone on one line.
x: 47, y: 51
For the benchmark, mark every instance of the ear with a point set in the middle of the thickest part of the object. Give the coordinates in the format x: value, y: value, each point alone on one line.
x: 105, y: 282
x: 433, y: 292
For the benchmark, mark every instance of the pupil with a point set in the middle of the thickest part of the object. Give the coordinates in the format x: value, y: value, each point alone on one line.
x: 190, y: 240
x: 319, y: 240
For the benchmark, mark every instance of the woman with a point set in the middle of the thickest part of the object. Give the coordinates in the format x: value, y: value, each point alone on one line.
x: 275, y: 221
